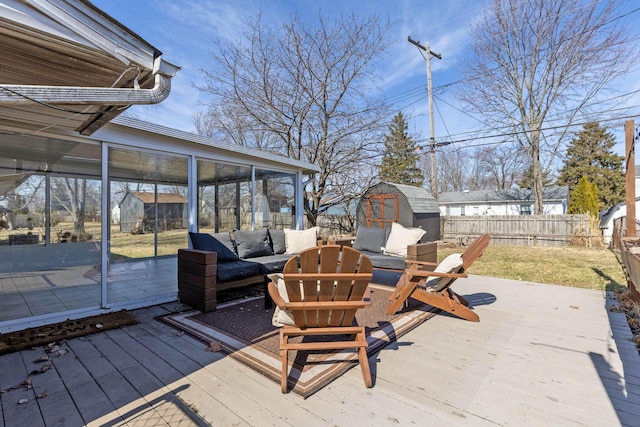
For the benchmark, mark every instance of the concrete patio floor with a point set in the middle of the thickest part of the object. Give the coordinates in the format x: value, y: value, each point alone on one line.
x: 540, y: 355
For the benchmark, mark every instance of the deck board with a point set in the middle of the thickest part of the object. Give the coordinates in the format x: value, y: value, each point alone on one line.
x: 540, y: 355
x: 58, y: 407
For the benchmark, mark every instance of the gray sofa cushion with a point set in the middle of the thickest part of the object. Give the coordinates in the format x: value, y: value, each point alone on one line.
x: 206, y: 242
x: 277, y: 241
x: 379, y: 260
x: 224, y: 237
x: 234, y: 270
x: 371, y: 239
x: 251, y: 244
x: 273, y: 263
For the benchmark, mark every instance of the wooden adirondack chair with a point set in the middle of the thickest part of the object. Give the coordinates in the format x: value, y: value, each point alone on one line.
x: 433, y: 287
x: 325, y: 286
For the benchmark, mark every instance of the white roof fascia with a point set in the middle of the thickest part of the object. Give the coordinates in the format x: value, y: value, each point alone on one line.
x: 240, y: 152
x: 95, y: 28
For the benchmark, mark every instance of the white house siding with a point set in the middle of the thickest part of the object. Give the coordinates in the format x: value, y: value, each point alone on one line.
x: 498, y: 209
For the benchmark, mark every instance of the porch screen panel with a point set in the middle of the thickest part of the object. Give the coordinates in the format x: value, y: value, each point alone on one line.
x: 274, y: 201
x: 49, y: 226
x: 148, y: 200
x: 221, y: 190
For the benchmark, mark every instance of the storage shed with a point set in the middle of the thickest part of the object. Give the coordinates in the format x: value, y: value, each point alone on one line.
x: 138, y: 212
x: 410, y: 206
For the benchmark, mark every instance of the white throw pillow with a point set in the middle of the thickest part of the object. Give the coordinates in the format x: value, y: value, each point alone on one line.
x: 299, y: 240
x: 451, y: 264
x: 281, y: 317
x: 400, y: 237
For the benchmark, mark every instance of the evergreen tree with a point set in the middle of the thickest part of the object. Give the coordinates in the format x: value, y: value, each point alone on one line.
x: 584, y: 198
x: 400, y: 162
x: 589, y: 154
x: 526, y: 180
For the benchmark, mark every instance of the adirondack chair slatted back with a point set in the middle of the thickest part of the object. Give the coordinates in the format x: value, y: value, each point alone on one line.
x: 329, y: 274
x: 474, y: 251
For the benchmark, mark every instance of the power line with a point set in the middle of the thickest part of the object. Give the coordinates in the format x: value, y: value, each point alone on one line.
x: 441, y: 144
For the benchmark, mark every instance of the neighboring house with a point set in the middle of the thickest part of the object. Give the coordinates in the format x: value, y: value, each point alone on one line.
x: 138, y: 210
x: 502, y: 202
x: 608, y: 216
x: 67, y: 70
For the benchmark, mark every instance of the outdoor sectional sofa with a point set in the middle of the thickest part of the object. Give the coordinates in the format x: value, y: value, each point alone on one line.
x: 225, y: 260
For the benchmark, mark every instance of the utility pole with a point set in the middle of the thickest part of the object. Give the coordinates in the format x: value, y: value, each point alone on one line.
x: 630, y: 177
x: 432, y: 135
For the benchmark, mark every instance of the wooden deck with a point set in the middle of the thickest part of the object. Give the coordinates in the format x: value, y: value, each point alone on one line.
x: 540, y: 355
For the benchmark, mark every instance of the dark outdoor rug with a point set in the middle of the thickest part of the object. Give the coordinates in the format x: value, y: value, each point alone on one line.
x: 42, y: 335
x: 245, y: 332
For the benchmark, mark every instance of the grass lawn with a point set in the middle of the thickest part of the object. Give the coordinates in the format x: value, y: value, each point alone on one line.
x: 592, y: 268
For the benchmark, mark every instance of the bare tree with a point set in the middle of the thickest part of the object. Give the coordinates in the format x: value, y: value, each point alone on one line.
x: 452, y: 170
x: 501, y: 166
x: 304, y: 92
x: 71, y: 194
x: 537, y: 63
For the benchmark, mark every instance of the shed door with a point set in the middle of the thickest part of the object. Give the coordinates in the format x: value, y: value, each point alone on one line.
x: 382, y: 209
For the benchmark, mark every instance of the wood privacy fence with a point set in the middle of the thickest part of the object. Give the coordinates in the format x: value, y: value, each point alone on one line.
x: 630, y: 254
x: 523, y: 230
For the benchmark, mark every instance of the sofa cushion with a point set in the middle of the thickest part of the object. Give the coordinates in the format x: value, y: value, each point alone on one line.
x: 400, y: 237
x: 272, y: 263
x: 379, y: 260
x: 224, y: 237
x: 251, y: 244
x: 451, y: 264
x: 281, y: 317
x: 206, y: 242
x: 240, y: 269
x: 278, y: 243
x: 371, y: 239
x: 299, y: 240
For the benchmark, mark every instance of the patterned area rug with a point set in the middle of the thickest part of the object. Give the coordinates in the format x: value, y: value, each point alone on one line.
x: 244, y: 331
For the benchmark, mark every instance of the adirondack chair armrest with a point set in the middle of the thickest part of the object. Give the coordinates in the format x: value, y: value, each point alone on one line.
x: 325, y: 305
x: 410, y: 262
x: 426, y: 274
x: 275, y: 295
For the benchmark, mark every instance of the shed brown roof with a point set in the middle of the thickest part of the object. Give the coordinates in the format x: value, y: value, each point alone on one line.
x: 148, y: 197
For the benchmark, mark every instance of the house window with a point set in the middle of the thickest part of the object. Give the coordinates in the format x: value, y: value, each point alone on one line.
x: 448, y: 211
x: 476, y: 210
x: 462, y: 210
x: 525, y: 209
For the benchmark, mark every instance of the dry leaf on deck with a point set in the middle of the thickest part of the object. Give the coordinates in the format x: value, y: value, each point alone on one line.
x: 214, y: 346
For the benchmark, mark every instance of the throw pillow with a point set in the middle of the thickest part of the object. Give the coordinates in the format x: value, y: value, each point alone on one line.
x: 277, y: 241
x: 251, y: 244
x: 400, y: 237
x: 224, y: 237
x: 281, y: 317
x: 299, y: 240
x: 370, y: 239
x: 451, y: 264
x: 206, y: 242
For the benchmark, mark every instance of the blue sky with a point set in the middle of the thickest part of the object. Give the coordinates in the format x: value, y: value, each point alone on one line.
x: 184, y: 29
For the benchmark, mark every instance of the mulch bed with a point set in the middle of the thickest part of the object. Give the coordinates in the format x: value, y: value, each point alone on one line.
x: 42, y: 335
x: 631, y: 309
